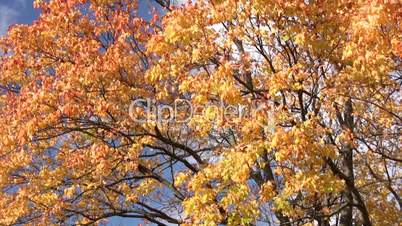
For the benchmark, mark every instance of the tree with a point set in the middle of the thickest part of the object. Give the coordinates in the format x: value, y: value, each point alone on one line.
x: 319, y: 141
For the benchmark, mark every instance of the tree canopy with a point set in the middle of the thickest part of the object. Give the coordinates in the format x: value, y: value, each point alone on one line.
x: 318, y: 144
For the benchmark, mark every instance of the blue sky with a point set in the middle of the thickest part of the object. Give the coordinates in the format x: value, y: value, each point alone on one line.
x: 22, y: 12
x: 16, y: 11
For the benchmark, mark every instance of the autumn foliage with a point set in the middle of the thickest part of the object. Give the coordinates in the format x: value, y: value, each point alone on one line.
x: 328, y: 72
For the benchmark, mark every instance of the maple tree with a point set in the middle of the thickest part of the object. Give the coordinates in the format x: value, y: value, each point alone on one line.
x: 328, y: 72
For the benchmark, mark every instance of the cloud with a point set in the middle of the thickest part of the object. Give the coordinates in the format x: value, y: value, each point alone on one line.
x: 8, y: 16
x: 21, y: 3
x: 10, y: 13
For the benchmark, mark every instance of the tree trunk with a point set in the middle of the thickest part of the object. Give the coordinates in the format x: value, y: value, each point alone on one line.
x: 347, y: 124
x: 346, y: 218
